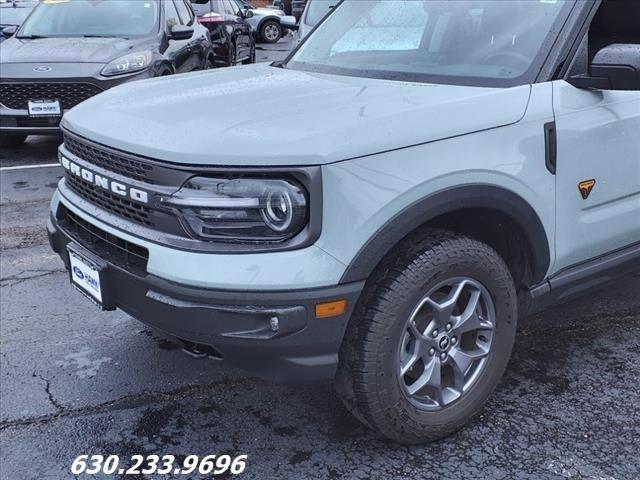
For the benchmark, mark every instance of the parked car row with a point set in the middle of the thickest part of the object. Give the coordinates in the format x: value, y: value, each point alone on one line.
x: 265, y: 24
x: 58, y: 54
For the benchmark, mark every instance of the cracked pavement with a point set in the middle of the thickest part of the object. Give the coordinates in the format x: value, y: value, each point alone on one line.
x: 76, y: 381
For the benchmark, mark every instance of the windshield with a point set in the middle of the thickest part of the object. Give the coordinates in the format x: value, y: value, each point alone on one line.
x: 13, y: 16
x: 467, y: 42
x: 317, y: 10
x: 99, y: 18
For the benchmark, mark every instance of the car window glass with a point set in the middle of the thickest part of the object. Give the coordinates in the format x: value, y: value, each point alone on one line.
x: 230, y: 8
x: 13, y: 16
x: 317, y: 9
x: 122, y: 18
x: 171, y: 14
x: 461, y: 42
x: 386, y: 27
x: 184, y: 12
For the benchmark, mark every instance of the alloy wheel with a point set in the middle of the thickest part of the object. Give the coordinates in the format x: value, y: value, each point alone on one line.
x: 271, y: 32
x: 446, y: 343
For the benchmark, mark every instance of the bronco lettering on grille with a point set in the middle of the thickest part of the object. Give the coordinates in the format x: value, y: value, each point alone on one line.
x: 105, y: 183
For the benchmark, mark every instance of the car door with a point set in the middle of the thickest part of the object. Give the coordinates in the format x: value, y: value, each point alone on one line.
x: 178, y: 51
x: 245, y: 33
x: 197, y: 44
x: 598, y: 164
x: 235, y: 24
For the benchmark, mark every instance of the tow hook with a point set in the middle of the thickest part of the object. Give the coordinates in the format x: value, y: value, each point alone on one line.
x: 200, y: 351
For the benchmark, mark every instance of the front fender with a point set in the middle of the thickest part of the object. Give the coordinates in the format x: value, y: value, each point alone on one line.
x: 446, y: 201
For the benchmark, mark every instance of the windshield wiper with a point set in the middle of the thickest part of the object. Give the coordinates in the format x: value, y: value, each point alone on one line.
x: 31, y: 37
x: 105, y: 36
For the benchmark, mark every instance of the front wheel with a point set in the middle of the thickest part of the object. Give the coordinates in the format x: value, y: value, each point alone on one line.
x: 271, y: 31
x: 233, y: 60
x: 430, y: 339
x: 252, y: 56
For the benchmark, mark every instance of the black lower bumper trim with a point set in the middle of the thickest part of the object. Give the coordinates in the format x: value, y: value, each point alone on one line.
x: 272, y: 334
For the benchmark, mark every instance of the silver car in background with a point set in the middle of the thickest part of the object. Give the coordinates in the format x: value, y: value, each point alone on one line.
x: 267, y: 23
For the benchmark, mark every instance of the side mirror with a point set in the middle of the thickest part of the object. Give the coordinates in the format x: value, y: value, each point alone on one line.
x: 246, y: 13
x: 181, y: 32
x: 615, y: 67
x: 10, y: 31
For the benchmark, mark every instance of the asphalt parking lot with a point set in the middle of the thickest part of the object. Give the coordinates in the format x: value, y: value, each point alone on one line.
x: 77, y: 382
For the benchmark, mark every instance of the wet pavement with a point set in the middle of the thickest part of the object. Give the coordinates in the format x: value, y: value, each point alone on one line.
x: 76, y: 381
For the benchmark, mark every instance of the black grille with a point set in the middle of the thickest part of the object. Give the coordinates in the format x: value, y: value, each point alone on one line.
x: 114, y: 250
x: 17, y: 95
x: 109, y: 161
x: 109, y: 201
x: 37, y: 122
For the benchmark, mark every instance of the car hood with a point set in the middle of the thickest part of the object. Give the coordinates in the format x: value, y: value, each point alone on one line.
x: 260, y: 115
x: 66, y: 50
x: 267, y: 11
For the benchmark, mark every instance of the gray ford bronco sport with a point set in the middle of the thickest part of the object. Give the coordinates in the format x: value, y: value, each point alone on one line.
x: 438, y: 170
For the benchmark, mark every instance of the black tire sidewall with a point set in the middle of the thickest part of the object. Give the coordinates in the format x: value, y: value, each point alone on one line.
x: 265, y: 25
x: 399, y: 412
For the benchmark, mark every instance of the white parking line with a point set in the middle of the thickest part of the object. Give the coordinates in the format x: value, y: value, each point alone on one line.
x: 27, y: 167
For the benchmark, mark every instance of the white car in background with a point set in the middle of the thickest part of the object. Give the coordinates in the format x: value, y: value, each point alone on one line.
x: 267, y: 23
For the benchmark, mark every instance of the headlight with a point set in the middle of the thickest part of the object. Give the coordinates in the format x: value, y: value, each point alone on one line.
x: 132, y: 62
x: 241, y: 209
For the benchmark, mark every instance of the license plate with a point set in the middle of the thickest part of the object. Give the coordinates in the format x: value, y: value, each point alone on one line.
x: 85, y: 276
x: 45, y: 108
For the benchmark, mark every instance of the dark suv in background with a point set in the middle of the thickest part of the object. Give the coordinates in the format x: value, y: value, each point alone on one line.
x: 232, y: 37
x: 66, y: 52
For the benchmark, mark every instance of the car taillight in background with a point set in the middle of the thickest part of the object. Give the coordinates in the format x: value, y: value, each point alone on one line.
x: 209, y: 18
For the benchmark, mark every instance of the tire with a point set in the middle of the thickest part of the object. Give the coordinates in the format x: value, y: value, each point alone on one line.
x: 252, y: 57
x: 233, y: 61
x: 12, y: 141
x: 429, y: 269
x: 271, y: 31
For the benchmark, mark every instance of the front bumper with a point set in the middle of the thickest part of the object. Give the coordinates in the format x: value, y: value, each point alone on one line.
x: 16, y: 121
x: 238, y: 325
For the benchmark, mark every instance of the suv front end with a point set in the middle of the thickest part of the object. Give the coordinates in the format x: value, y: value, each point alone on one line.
x: 204, y: 255
x: 389, y: 240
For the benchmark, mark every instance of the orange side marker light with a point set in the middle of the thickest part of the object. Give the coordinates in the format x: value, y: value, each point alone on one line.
x: 331, y: 309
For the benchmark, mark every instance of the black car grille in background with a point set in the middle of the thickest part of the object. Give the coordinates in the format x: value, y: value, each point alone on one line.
x: 17, y: 95
x: 109, y: 201
x: 109, y: 161
x: 115, y: 250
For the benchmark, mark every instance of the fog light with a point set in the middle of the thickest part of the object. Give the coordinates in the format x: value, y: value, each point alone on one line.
x: 274, y: 323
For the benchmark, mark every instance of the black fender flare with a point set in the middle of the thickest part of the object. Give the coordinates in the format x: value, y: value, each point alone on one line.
x: 448, y: 201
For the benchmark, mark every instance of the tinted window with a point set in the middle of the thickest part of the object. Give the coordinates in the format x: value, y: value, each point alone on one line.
x: 471, y: 42
x: 106, y: 18
x: 184, y: 12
